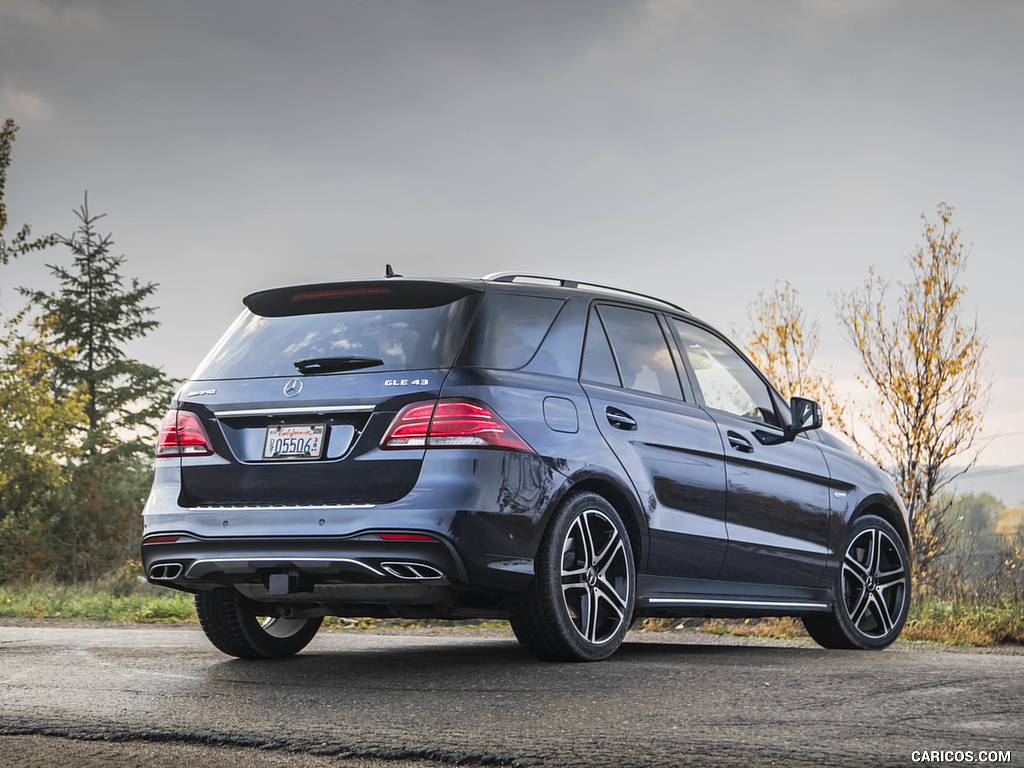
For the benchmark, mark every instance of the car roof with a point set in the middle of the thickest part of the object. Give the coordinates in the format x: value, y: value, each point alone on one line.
x: 575, y: 286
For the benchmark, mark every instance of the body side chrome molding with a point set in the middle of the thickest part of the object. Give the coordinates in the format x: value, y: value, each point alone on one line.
x: 735, y: 603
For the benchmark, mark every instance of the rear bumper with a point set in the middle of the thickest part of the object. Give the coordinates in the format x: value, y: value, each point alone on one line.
x: 361, y: 569
x: 482, y: 510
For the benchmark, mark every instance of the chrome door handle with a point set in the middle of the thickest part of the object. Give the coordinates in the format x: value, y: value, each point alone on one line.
x: 740, y: 443
x: 620, y: 419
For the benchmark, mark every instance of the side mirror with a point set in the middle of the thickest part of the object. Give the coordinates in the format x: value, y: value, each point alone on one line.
x: 805, y: 415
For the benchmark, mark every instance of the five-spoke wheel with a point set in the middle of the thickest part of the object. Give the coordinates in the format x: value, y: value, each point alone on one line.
x: 580, y: 603
x: 872, y: 590
x: 596, y: 576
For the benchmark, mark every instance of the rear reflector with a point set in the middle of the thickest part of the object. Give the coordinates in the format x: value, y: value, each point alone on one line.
x: 182, y: 434
x: 161, y: 540
x: 451, y: 423
x: 405, y: 537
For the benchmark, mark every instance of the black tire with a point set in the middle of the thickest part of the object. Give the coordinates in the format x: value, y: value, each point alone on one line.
x: 580, y: 603
x: 239, y: 627
x: 871, y: 592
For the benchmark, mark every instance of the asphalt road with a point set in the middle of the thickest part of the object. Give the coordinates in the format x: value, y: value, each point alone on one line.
x: 90, y: 695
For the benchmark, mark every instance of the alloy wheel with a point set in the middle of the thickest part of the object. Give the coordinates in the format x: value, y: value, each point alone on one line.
x: 281, y: 628
x: 595, y: 577
x: 874, y: 581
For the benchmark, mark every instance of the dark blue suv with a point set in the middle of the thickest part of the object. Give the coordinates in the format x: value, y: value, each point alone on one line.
x: 566, y: 455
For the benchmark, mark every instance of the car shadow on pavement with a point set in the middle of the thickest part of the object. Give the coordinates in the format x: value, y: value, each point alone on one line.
x: 436, y: 661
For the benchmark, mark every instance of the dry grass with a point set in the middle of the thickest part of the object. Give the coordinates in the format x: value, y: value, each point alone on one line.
x: 782, y: 628
x: 961, y: 623
x: 946, y: 622
x: 931, y: 621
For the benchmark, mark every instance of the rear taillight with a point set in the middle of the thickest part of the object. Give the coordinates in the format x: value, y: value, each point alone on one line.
x: 182, y: 434
x: 451, y: 423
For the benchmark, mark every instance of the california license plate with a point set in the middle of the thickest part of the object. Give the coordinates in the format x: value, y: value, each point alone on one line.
x: 294, y: 442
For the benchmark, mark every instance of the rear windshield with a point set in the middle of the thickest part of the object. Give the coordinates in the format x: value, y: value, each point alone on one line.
x: 403, y: 339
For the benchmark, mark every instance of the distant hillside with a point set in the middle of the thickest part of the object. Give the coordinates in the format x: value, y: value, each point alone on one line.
x: 1005, y: 483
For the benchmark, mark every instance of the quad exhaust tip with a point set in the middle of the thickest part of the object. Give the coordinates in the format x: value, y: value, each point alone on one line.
x: 413, y: 571
x: 165, y: 571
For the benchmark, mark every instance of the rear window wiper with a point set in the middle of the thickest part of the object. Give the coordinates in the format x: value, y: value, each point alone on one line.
x: 335, y: 364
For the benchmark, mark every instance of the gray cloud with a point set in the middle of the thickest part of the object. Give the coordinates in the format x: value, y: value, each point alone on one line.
x: 696, y: 149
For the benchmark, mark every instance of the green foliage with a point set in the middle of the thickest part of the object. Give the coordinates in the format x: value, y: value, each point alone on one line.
x: 95, y: 313
x: 48, y: 600
x: 965, y: 623
x: 21, y: 244
x: 979, y: 559
x: 122, y: 596
x: 36, y: 445
x: 942, y: 622
x: 971, y: 513
x: 79, y: 414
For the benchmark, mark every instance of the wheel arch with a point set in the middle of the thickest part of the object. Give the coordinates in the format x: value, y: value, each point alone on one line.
x: 624, y: 503
x: 887, y: 509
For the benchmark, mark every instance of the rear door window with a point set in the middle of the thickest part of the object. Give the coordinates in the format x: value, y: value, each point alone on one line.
x: 641, y: 351
x: 598, y: 360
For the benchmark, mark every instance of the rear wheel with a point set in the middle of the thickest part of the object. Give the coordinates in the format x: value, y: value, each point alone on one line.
x: 580, y: 603
x: 871, y: 591
x: 239, y: 627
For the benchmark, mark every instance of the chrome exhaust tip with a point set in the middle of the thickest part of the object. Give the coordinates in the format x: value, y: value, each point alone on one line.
x: 165, y: 571
x: 412, y: 571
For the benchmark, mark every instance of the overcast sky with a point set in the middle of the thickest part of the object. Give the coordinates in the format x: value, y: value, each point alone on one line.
x: 696, y: 149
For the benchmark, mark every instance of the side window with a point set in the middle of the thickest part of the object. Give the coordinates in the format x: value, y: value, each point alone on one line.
x: 598, y: 363
x: 727, y: 381
x: 645, y: 363
x: 508, y: 330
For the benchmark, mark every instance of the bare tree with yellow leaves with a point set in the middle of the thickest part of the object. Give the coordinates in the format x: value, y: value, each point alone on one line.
x: 922, y: 364
x: 782, y: 341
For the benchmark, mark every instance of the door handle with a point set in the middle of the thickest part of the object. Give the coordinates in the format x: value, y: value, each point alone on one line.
x: 739, y: 443
x: 620, y: 419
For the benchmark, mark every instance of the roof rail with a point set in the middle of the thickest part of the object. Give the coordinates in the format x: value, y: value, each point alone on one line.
x: 566, y: 282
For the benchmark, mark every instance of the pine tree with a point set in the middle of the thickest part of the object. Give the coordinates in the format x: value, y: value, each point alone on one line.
x: 97, y: 312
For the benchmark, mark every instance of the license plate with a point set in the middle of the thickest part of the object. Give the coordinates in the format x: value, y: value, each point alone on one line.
x: 294, y: 442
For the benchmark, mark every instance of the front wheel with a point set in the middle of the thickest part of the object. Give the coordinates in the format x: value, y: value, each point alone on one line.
x: 871, y: 594
x: 238, y: 627
x: 580, y: 603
